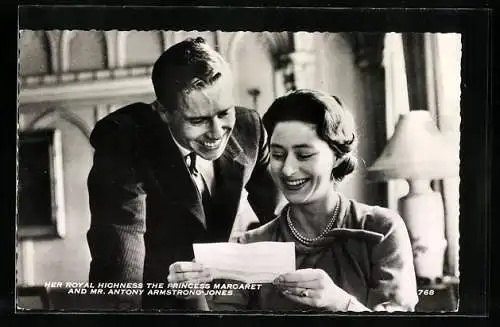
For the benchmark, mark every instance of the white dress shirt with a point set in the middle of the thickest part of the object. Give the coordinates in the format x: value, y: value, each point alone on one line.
x: 204, y: 167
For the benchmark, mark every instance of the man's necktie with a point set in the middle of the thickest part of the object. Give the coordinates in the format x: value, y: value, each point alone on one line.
x: 201, y: 185
x: 191, y: 163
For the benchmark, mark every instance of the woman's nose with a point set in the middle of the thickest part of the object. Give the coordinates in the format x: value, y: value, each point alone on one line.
x: 289, y: 166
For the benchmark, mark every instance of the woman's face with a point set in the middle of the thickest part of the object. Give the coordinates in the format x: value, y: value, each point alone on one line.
x: 301, y: 162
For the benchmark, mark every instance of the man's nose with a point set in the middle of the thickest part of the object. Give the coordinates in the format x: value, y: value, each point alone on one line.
x: 216, y: 128
x: 289, y: 166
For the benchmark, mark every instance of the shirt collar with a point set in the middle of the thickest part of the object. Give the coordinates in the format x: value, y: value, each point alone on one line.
x: 182, y: 149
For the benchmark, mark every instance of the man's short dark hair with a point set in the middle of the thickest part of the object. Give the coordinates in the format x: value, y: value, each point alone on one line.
x: 185, y: 66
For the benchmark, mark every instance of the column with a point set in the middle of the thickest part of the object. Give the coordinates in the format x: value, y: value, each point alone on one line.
x: 297, y: 68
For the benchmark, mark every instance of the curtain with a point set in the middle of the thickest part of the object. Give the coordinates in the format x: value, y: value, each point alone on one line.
x: 397, y: 103
x: 443, y: 58
x: 430, y: 64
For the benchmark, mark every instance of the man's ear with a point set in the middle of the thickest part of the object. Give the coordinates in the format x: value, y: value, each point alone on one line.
x: 165, y: 114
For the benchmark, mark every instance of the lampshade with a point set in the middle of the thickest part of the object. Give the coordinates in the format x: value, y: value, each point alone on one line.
x: 416, y: 150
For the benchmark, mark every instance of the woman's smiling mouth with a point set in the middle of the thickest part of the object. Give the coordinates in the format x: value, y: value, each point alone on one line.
x: 294, y: 184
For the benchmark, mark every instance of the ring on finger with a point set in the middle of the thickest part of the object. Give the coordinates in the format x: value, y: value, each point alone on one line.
x: 304, y: 293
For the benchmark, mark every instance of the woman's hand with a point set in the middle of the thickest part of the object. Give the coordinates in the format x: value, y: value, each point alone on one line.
x: 188, y: 272
x: 313, y: 287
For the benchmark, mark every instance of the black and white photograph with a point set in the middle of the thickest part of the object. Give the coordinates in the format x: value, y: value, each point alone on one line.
x: 238, y: 171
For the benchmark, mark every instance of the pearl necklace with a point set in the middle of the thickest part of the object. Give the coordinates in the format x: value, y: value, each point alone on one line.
x: 308, y: 240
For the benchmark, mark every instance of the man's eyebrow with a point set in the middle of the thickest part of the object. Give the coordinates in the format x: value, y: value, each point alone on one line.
x: 207, y: 117
x: 195, y: 117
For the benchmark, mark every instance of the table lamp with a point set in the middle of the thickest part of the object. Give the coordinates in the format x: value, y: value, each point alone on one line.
x: 419, y: 153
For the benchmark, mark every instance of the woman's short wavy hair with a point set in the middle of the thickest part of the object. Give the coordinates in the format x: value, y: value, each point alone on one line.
x: 334, y: 124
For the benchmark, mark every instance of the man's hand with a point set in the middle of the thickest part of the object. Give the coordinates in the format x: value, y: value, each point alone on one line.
x: 188, y: 272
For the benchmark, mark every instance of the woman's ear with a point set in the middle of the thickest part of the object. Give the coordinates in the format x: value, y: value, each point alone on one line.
x: 337, y: 161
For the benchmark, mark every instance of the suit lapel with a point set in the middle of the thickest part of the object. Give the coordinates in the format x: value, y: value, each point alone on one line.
x: 170, y: 170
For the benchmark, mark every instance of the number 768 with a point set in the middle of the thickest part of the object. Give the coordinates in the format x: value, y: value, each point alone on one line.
x: 425, y: 292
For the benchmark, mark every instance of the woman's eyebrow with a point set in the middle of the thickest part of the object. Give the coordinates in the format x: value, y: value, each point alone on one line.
x: 301, y: 146
x: 297, y: 146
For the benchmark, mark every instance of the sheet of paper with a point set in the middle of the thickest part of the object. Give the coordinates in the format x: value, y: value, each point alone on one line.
x: 259, y: 262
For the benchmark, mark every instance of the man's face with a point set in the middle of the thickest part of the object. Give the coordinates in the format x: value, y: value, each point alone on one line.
x: 205, y: 119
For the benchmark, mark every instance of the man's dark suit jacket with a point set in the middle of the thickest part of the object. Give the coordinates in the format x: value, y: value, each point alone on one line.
x: 145, y: 207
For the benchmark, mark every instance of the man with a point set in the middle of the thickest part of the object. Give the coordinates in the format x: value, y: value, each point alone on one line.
x: 169, y: 174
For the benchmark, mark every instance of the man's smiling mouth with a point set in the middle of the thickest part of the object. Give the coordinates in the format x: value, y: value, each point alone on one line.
x: 211, y: 144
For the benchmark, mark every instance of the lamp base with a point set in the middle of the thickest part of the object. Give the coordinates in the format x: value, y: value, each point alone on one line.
x: 423, y: 211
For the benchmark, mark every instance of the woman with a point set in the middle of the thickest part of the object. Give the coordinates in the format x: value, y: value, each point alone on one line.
x: 349, y: 256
